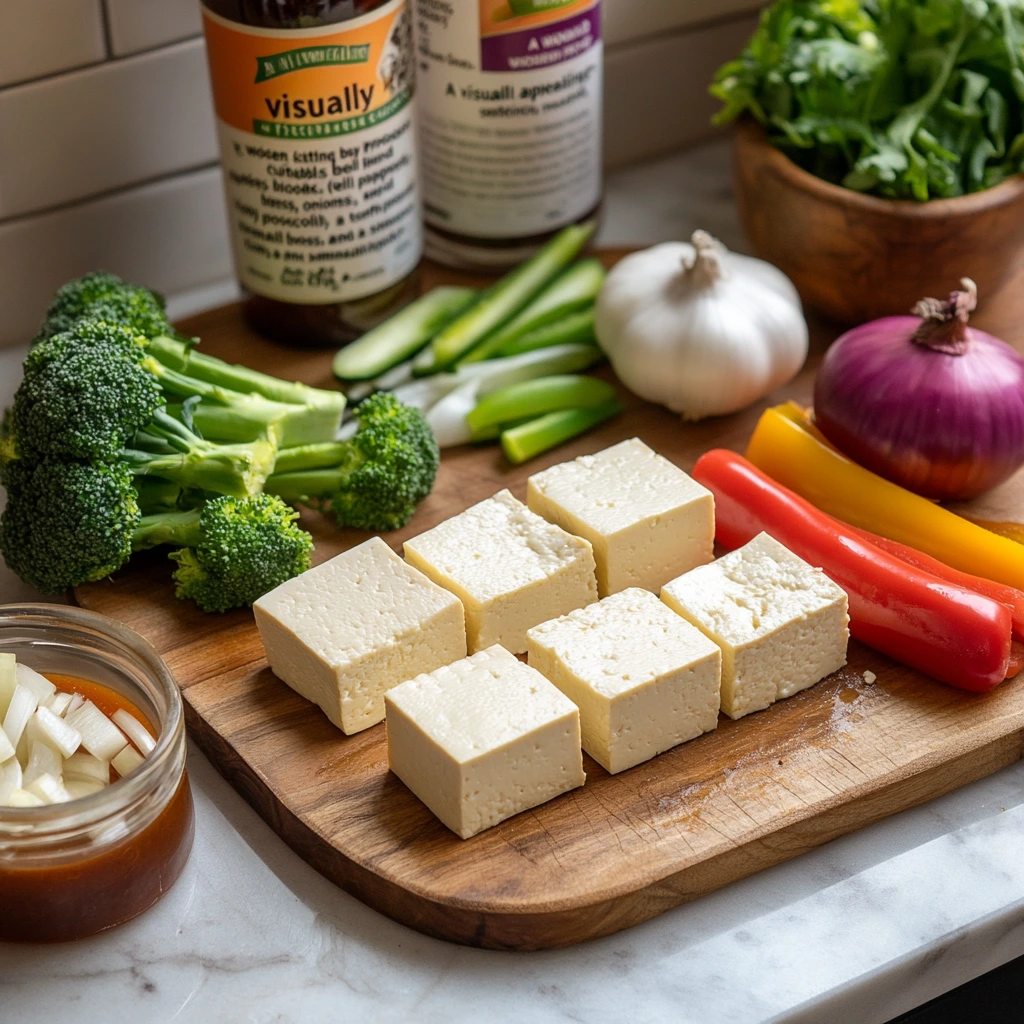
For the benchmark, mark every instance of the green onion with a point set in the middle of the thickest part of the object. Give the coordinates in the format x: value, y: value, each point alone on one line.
x: 535, y: 397
x: 530, y: 439
x: 573, y: 290
x: 509, y: 295
x: 575, y: 329
x: 403, y: 335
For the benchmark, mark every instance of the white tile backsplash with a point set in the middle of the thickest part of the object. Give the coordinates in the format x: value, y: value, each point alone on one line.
x: 41, y: 37
x: 170, y: 234
x: 629, y: 20
x: 656, y: 92
x: 97, y: 165
x: 115, y: 124
x: 143, y: 24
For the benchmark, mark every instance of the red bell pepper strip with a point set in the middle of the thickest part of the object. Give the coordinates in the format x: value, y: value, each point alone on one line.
x: 1010, y: 596
x: 946, y: 631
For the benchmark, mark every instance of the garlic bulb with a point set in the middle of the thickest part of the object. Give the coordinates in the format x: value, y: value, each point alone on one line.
x: 698, y: 328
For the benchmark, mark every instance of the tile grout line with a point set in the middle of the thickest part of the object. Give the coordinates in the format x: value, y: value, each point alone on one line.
x: 110, y: 59
x: 72, y: 204
x: 702, y: 25
x: 108, y: 43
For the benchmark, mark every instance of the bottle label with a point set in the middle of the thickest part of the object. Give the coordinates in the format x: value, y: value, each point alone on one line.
x: 319, y: 152
x: 510, y: 113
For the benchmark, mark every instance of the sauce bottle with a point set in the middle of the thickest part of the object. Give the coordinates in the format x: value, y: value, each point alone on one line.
x: 509, y: 97
x: 315, y: 116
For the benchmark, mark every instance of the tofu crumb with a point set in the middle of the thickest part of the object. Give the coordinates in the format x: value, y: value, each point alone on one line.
x: 869, y: 677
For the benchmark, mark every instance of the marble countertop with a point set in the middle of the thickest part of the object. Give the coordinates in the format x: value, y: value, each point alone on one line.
x: 856, y: 931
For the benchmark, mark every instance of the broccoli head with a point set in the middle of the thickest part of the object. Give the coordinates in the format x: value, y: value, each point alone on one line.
x: 84, y: 394
x: 239, y: 550
x: 374, y: 480
x: 106, y: 297
x: 67, y: 522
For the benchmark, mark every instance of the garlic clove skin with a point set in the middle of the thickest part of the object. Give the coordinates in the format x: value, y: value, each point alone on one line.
x: 699, y: 329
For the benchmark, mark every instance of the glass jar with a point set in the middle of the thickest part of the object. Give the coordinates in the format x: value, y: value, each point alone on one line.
x: 73, y: 869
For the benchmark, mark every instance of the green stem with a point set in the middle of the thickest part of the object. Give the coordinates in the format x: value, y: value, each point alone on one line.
x: 235, y: 377
x: 533, y: 398
x: 575, y: 289
x: 506, y: 298
x: 178, y: 528
x: 303, y: 486
x: 575, y: 329
x: 330, y: 455
x: 530, y: 439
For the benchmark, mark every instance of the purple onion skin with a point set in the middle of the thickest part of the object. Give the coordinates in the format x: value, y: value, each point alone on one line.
x: 944, y: 426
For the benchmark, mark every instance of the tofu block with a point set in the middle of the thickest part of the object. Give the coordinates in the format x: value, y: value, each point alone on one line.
x: 782, y: 625
x: 643, y: 678
x: 347, y: 630
x: 483, y: 739
x: 510, y: 568
x: 647, y: 520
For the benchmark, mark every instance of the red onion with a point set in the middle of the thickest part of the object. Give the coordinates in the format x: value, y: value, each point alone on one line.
x: 926, y: 401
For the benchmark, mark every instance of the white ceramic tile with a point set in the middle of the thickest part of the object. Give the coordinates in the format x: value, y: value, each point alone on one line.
x: 170, y: 235
x: 112, y: 125
x: 142, y: 24
x: 656, y: 92
x: 46, y: 36
x: 626, y: 20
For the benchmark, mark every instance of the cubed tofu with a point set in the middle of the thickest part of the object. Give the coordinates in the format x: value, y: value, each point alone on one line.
x: 647, y: 520
x: 643, y: 678
x: 509, y: 567
x: 782, y: 625
x: 343, y: 633
x: 483, y: 739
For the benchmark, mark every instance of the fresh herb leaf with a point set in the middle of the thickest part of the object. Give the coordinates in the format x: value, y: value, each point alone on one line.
x: 908, y: 99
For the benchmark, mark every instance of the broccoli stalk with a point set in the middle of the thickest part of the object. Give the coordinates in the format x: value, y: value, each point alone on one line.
x: 375, y: 480
x: 239, y: 470
x: 232, y: 551
x: 313, y: 414
x: 317, y: 417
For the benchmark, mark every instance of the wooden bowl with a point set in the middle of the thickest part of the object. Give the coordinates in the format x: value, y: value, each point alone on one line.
x: 854, y: 257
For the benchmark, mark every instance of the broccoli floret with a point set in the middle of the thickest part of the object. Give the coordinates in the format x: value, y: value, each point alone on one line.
x: 106, y: 297
x: 67, y: 522
x: 235, y: 550
x: 83, y: 394
x: 229, y: 410
x: 375, y: 480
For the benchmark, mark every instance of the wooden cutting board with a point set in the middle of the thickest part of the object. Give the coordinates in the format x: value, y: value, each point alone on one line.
x: 623, y: 848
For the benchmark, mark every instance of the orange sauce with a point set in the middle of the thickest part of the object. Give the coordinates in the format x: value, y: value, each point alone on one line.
x: 74, y: 897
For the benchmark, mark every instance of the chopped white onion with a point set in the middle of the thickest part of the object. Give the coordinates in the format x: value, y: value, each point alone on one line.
x: 82, y: 787
x: 127, y: 761
x: 83, y: 767
x: 23, y: 705
x: 34, y: 682
x: 42, y: 760
x: 23, y: 798
x: 58, y: 703
x: 8, y: 680
x: 56, y: 732
x: 49, y: 789
x: 99, y: 735
x: 77, y: 700
x: 6, y: 747
x: 10, y: 778
x: 134, y: 730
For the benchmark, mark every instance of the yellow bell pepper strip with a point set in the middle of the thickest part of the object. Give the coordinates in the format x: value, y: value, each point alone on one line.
x: 828, y: 479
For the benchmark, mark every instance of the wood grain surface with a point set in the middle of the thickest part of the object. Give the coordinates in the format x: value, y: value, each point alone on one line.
x: 621, y: 849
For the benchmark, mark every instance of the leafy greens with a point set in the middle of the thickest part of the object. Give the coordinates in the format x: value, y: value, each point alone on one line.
x: 907, y: 99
